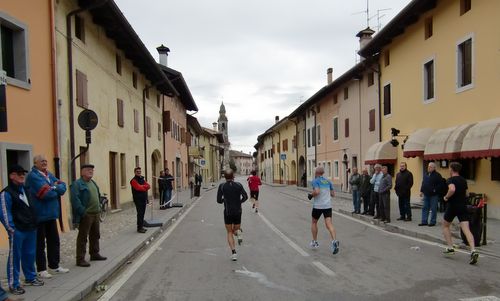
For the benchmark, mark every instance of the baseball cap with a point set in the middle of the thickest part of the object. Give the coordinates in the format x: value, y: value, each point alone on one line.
x: 16, y: 168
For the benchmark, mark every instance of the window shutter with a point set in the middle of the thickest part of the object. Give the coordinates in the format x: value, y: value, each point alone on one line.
x: 166, y: 121
x: 183, y: 135
x: 81, y: 89
x: 347, y: 127
x: 371, y: 114
x: 159, y: 131
x: 148, y: 126
x: 119, y: 103
x: 136, y: 121
x: 387, y: 99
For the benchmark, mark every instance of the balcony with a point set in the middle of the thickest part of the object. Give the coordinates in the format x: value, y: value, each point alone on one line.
x: 195, y: 152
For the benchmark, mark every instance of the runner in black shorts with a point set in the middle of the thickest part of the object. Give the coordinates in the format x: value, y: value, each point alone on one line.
x: 457, y: 207
x: 316, y: 213
x: 232, y: 194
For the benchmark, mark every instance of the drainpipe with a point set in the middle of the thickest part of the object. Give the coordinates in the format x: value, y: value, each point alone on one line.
x: 69, y: 45
x: 144, y: 135
x: 279, y: 155
x: 315, y: 139
x: 296, y: 152
x: 379, y: 73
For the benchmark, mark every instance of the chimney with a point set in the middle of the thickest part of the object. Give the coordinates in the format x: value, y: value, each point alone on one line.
x: 163, y: 51
x: 329, y: 75
x: 215, y: 126
x: 276, y: 119
x: 365, y: 36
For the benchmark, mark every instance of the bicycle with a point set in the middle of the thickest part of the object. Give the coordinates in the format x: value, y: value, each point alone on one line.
x: 104, y: 204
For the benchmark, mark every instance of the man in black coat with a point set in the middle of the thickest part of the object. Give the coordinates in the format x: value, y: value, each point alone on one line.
x: 404, y: 183
x: 430, y: 190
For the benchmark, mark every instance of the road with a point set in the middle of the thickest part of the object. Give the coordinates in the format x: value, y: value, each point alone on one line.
x: 192, y: 261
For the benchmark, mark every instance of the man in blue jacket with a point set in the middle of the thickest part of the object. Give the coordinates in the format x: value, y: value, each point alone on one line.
x: 19, y: 219
x: 86, y: 208
x: 45, y: 190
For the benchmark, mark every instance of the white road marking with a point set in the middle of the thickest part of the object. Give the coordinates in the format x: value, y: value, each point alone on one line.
x: 113, y: 289
x: 284, y: 237
x: 324, y: 268
x: 483, y: 298
x: 262, y: 279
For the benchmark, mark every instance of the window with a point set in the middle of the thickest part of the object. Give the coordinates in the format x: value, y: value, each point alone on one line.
x: 146, y: 91
x: 355, y: 161
x: 166, y: 121
x: 335, y: 98
x: 137, y: 161
x: 313, y: 134
x: 428, y: 28
x: 159, y: 131
x: 81, y: 89
x: 468, y: 169
x: 14, y: 51
x: 464, y: 63
x: 118, y: 64
x: 346, y: 125
x: 429, y: 80
x: 158, y: 100
x: 279, y: 147
x: 387, y: 58
x: 336, y: 169
x: 119, y: 109
x: 123, y: 171
x: 329, y: 170
x: 136, y: 121
x: 387, y: 99
x: 318, y: 130
x: 495, y: 169
x: 304, y: 137
x: 371, y: 117
x: 371, y: 79
x: 79, y: 28
x: 335, y: 128
x: 465, y: 6
x: 134, y: 79
x: 346, y: 93
x: 308, y: 137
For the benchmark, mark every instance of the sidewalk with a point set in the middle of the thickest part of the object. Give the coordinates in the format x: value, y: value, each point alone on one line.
x: 343, y: 204
x: 119, y: 243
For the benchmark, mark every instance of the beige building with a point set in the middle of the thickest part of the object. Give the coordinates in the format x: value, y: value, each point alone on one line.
x: 211, y: 142
x: 439, y: 67
x: 103, y: 66
x: 242, y: 161
x: 195, y: 151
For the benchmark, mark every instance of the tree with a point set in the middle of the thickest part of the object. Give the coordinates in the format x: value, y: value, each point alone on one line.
x: 232, y: 165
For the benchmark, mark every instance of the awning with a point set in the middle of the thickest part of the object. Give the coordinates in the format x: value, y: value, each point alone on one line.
x: 415, y: 145
x: 446, y: 144
x: 381, y: 153
x: 482, y: 140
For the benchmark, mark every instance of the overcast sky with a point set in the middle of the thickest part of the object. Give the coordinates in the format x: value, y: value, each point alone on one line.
x: 261, y: 57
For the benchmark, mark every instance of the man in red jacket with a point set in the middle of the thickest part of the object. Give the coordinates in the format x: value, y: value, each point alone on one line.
x: 253, y: 184
x: 140, y: 195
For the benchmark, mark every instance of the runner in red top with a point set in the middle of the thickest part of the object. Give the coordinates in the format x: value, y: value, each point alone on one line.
x: 254, y: 183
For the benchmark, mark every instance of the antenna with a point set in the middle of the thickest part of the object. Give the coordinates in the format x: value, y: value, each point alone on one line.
x: 366, y: 12
x: 379, y: 17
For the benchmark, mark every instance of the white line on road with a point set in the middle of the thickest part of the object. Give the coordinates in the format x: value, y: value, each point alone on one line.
x: 137, y: 264
x: 284, y: 237
x: 323, y: 268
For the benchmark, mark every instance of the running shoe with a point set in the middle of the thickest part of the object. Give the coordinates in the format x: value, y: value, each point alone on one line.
x: 253, y: 206
x: 234, y: 257
x: 60, y: 270
x: 239, y: 237
x: 17, y: 290
x: 256, y: 210
x: 449, y: 251
x: 34, y: 282
x: 314, y: 244
x: 474, y: 255
x: 45, y: 275
x: 335, y: 246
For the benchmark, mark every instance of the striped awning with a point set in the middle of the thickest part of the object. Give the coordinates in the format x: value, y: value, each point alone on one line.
x: 446, y: 144
x: 415, y: 145
x: 482, y: 140
x: 381, y: 153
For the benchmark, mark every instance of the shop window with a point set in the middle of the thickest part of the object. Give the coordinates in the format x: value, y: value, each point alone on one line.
x: 495, y: 169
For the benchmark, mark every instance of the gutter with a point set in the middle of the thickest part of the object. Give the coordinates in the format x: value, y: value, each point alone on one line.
x: 69, y: 45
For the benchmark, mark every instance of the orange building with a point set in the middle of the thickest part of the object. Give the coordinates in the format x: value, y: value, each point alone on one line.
x: 27, y: 62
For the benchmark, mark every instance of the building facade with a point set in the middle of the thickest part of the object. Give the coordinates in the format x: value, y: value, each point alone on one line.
x: 242, y: 161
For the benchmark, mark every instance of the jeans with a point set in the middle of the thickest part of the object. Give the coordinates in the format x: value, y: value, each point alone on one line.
x: 430, y: 203
x: 47, y: 231
x: 3, y: 294
x: 404, y: 206
x: 167, y: 195
x: 22, y: 252
x: 356, y: 201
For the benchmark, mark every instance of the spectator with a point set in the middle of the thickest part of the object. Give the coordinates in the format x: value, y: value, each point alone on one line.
x: 19, y: 219
x: 365, y: 190
x: 355, y: 182
x: 385, y: 196
x: 161, y: 187
x: 374, y: 198
x: 140, y: 195
x: 169, y: 179
x: 430, y: 190
x: 45, y: 190
x: 85, y: 196
x: 404, y: 183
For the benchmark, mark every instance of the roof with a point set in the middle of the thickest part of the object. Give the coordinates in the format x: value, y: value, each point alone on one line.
x: 118, y: 29
x: 270, y: 130
x: 193, y: 122
x: 233, y: 153
x: 218, y: 135
x: 180, y: 85
x: 338, y: 82
x: 406, y: 17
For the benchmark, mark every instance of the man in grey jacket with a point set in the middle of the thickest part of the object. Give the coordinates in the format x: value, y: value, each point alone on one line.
x: 385, y: 196
x: 355, y: 181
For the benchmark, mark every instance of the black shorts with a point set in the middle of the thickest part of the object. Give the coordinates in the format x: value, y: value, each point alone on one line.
x: 254, y: 195
x: 454, y: 211
x: 233, y: 219
x: 316, y: 213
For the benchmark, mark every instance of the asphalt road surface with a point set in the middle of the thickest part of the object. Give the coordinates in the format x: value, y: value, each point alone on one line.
x: 192, y: 261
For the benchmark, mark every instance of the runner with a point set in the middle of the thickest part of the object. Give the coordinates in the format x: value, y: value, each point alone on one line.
x: 322, y: 205
x: 232, y: 194
x: 253, y: 184
x: 457, y: 207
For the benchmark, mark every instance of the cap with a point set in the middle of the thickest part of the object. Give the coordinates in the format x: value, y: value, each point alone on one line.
x: 86, y: 166
x: 16, y: 168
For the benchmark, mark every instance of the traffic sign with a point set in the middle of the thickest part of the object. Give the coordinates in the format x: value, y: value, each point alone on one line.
x: 283, y: 156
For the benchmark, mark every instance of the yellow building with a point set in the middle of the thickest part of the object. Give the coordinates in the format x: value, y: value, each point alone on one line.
x: 439, y: 80
x: 102, y: 65
x: 28, y: 82
x: 211, y: 143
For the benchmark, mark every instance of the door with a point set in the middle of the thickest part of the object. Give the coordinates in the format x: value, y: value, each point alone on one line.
x: 113, y: 181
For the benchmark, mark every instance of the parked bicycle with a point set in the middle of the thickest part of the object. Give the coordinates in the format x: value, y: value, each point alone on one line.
x: 104, y: 203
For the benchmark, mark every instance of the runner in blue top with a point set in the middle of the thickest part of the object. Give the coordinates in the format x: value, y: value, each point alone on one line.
x: 322, y: 205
